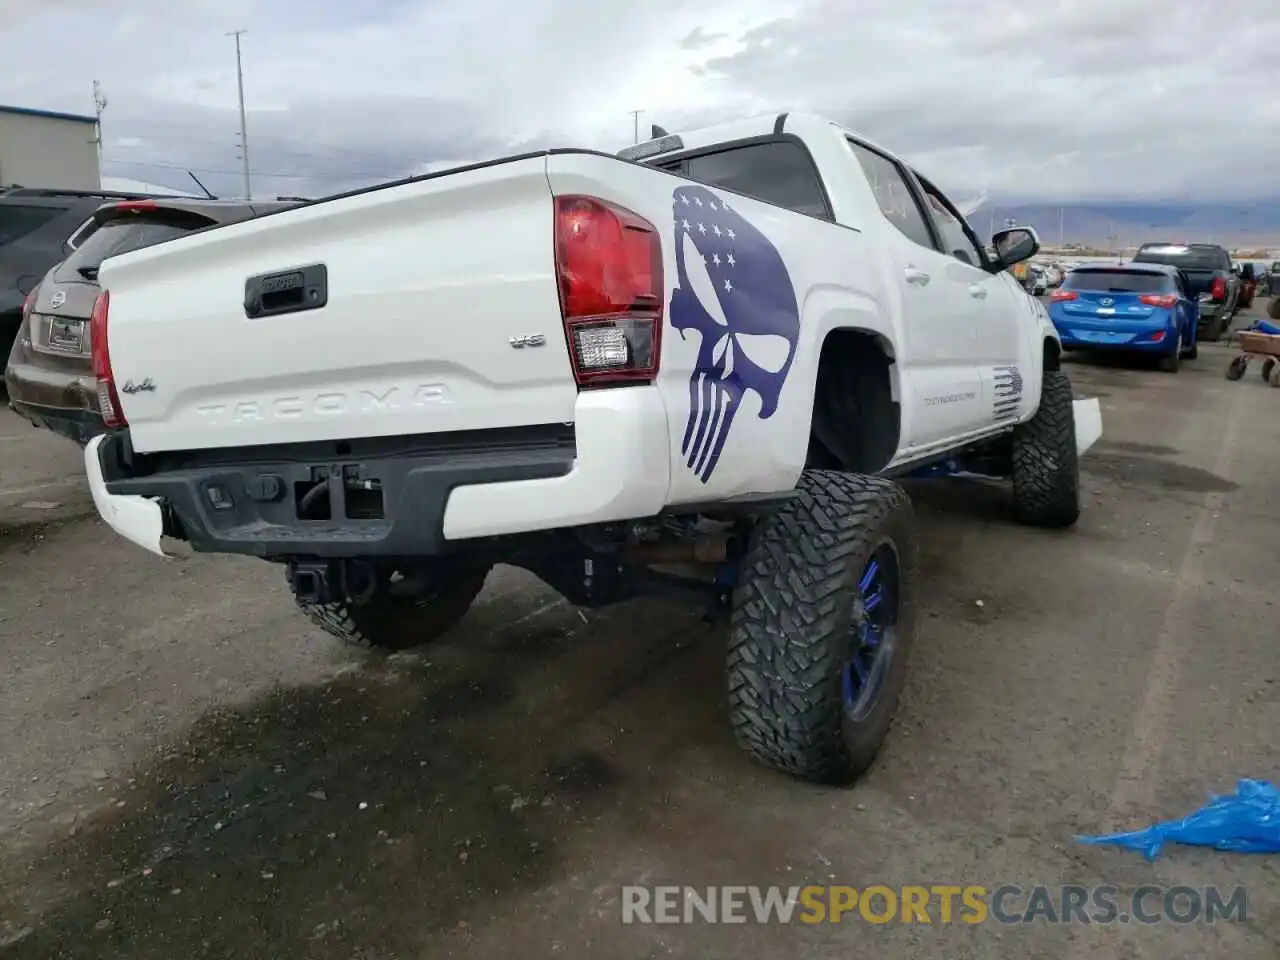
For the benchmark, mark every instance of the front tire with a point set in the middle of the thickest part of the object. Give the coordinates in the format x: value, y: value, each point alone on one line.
x: 822, y: 622
x: 1046, y: 464
x: 391, y: 620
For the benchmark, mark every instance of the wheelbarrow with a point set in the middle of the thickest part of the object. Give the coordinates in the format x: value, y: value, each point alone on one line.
x: 1257, y: 344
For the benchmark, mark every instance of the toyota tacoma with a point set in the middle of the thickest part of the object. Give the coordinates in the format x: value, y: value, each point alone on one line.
x: 698, y: 365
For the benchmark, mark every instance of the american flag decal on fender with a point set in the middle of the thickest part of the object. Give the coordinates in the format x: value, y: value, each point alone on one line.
x: 1007, y: 388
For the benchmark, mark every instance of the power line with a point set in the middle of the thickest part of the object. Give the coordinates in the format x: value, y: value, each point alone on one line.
x: 330, y: 151
x: 280, y: 175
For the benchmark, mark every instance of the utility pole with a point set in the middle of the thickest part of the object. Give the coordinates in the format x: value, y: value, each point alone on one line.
x: 635, y: 115
x: 1062, y: 219
x: 244, y: 133
x: 99, y: 104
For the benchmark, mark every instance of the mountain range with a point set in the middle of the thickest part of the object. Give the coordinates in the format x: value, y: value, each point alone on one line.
x: 1116, y: 224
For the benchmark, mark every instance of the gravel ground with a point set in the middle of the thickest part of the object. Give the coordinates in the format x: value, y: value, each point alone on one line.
x: 189, y: 769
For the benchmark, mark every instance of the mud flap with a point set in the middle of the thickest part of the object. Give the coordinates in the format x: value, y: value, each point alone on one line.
x: 1088, y: 417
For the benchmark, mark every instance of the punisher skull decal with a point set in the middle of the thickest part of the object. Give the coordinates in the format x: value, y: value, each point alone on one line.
x: 734, y: 290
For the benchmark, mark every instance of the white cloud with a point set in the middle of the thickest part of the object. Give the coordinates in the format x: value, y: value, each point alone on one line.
x: 1058, y: 98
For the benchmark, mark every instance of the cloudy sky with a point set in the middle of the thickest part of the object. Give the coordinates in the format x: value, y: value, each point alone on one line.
x: 1054, y: 99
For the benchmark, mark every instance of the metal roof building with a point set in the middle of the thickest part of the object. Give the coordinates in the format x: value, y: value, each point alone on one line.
x: 42, y: 148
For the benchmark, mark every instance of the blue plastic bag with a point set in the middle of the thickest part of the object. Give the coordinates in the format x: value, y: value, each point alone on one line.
x: 1266, y: 326
x: 1247, y: 821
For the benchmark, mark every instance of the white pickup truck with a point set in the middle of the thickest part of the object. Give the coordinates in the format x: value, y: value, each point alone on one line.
x: 695, y: 365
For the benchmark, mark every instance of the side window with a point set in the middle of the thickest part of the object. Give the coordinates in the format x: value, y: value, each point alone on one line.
x: 956, y: 239
x: 778, y: 171
x: 894, y: 197
x: 17, y: 221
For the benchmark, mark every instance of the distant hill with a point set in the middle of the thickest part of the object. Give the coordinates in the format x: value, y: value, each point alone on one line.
x: 1232, y: 223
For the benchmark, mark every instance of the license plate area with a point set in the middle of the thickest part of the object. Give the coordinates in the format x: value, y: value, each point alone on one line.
x: 66, y: 336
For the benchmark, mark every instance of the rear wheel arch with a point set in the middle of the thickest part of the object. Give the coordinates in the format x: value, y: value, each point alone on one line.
x: 856, y: 420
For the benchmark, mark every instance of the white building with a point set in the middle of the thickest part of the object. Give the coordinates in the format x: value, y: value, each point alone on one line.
x: 40, y: 148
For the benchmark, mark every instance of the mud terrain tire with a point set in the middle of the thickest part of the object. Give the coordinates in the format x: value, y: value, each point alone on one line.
x: 799, y: 616
x: 389, y: 621
x: 1046, y: 464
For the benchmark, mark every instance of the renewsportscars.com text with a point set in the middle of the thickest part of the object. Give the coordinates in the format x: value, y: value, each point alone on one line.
x: 935, y: 904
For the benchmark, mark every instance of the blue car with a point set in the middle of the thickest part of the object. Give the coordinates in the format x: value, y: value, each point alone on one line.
x: 1132, y: 308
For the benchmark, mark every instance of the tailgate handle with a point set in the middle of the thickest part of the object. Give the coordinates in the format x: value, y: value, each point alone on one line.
x: 287, y: 291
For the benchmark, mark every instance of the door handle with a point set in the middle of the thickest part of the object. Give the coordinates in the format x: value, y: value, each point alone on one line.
x: 978, y: 290
x: 917, y: 276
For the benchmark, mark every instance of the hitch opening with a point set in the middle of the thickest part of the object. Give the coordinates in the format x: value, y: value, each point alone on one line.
x: 328, y: 581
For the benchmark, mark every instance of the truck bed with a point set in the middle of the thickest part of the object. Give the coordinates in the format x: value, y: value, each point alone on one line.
x: 425, y: 286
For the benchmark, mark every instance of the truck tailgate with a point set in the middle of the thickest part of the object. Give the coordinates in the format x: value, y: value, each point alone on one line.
x: 1200, y: 281
x: 438, y: 291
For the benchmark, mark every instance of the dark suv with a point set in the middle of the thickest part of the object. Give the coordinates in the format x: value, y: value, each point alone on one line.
x: 37, y: 229
x: 50, y: 371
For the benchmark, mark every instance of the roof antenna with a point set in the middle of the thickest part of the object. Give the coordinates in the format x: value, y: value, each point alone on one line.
x: 657, y: 132
x: 201, y: 185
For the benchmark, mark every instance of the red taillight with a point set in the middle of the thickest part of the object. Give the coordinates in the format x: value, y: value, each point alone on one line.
x: 1059, y: 295
x: 609, y: 268
x: 1219, y: 289
x: 28, y: 304
x: 108, y: 399
x: 1165, y: 300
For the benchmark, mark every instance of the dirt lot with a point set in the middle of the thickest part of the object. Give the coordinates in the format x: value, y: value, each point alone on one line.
x: 189, y: 770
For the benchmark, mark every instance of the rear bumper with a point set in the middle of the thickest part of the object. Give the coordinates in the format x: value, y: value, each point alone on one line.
x: 53, y: 391
x: 1095, y: 336
x: 609, y: 465
x: 79, y: 426
x: 1209, y: 310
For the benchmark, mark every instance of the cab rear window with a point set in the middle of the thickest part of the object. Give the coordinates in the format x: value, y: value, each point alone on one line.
x: 780, y: 172
x: 1184, y: 256
x: 1119, y: 281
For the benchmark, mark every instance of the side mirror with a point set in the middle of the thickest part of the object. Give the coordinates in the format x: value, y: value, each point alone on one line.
x: 1015, y: 245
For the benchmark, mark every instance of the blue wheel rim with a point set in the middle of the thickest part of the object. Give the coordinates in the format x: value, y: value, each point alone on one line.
x: 873, y: 634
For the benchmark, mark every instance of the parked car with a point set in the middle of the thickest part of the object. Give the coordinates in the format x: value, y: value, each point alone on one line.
x: 1210, y: 279
x: 1261, y: 279
x: 49, y: 374
x: 1138, y: 308
x: 1248, y: 274
x: 590, y: 366
x: 38, y: 228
